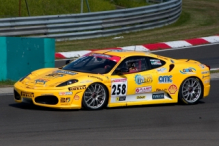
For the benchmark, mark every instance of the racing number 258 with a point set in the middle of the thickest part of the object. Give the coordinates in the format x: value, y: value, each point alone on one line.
x: 118, y: 89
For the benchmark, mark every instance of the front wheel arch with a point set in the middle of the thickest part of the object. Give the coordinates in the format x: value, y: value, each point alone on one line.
x: 107, y: 96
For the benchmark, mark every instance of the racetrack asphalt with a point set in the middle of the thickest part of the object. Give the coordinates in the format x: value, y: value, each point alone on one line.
x: 154, y: 125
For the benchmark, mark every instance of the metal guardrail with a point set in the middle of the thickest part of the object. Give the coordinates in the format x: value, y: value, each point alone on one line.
x: 93, y: 25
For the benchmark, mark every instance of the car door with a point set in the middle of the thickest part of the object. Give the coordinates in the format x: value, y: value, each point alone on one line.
x: 134, y: 81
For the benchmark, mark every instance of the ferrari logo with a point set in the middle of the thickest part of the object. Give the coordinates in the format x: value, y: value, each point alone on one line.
x: 172, y: 89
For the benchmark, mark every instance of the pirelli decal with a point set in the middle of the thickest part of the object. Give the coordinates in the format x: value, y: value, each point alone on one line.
x: 77, y: 87
x: 27, y: 94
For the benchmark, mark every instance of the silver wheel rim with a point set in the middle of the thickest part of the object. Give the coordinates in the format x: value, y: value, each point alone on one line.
x: 95, y: 96
x: 191, y: 90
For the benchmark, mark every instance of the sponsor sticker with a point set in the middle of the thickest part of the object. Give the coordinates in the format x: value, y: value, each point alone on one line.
x: 205, y: 76
x: 65, y: 100
x: 172, y: 89
x: 27, y: 94
x: 86, y: 81
x: 66, y: 72
x: 121, y: 98
x: 143, y: 89
x: 207, y: 81
x: 205, y: 72
x: 162, y: 70
x: 155, y: 62
x: 65, y: 93
x: 140, y: 97
x: 77, y: 87
x: 165, y: 79
x: 139, y: 79
x: 119, y: 87
x: 95, y: 77
x: 161, y: 89
x: 202, y: 66
x: 189, y: 70
x: 76, y: 97
x: 158, y: 96
x: 41, y: 81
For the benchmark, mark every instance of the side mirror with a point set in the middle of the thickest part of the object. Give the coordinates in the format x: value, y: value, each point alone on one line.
x: 67, y: 62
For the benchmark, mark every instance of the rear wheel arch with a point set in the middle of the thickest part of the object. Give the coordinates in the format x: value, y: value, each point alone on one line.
x: 180, y: 96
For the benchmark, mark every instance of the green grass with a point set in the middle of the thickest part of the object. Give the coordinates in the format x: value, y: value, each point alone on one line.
x: 199, y: 18
x: 6, y: 83
x: 10, y: 8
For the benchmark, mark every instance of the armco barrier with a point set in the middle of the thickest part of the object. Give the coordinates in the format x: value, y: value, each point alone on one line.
x: 93, y: 25
x: 20, y: 56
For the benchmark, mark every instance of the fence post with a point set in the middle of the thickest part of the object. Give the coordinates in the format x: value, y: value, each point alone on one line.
x: 81, y: 6
x: 27, y: 7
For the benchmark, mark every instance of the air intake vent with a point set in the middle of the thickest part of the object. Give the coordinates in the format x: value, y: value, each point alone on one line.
x: 171, y: 67
x: 52, y: 100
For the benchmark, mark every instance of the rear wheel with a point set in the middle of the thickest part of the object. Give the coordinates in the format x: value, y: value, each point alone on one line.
x: 95, y: 97
x: 190, y: 91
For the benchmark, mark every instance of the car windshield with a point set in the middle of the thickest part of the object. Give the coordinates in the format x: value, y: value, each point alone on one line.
x: 93, y: 63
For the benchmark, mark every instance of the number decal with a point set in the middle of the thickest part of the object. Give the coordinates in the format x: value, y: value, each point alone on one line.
x: 123, y: 89
x: 114, y: 89
x: 119, y: 87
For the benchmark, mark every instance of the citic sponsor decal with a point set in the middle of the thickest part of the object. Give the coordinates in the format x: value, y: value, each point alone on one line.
x: 139, y: 79
x: 189, y: 70
x: 172, y: 89
x: 165, y: 79
x: 143, y: 89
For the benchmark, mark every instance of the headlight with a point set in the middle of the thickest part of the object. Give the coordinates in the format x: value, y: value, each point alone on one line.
x: 68, y: 83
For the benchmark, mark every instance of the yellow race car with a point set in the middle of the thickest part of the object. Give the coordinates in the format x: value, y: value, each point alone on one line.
x: 115, y: 78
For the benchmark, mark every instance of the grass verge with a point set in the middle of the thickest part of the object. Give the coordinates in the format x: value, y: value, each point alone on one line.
x: 7, y: 83
x: 199, y: 18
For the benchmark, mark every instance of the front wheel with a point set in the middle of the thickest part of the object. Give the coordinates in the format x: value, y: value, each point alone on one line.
x: 190, y: 91
x: 95, y: 97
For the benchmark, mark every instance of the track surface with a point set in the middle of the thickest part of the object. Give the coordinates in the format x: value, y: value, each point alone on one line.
x: 208, y: 54
x: 172, y: 124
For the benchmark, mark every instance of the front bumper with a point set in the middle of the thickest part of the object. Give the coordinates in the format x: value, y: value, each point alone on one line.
x: 49, y: 98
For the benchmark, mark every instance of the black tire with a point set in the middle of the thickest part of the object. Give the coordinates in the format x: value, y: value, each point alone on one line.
x: 191, y: 91
x: 95, y: 97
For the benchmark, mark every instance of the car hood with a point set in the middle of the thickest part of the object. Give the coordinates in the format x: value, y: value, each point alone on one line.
x: 54, y: 77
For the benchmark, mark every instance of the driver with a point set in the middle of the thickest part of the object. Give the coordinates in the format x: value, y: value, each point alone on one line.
x: 132, y: 67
